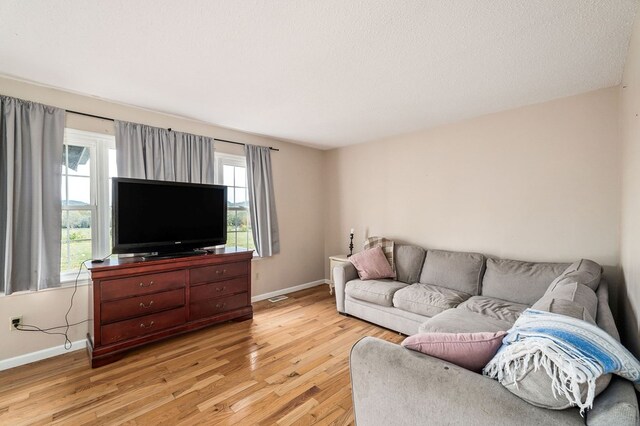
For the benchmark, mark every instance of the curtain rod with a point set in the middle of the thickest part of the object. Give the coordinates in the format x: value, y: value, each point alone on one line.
x: 112, y: 119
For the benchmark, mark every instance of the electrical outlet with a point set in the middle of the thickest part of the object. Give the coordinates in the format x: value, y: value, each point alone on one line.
x: 257, y: 276
x: 13, y: 321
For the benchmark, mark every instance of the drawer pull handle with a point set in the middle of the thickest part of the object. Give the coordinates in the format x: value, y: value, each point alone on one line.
x: 221, y: 289
x: 220, y: 305
x: 142, y: 305
x: 142, y: 325
x: 219, y: 272
x: 147, y: 285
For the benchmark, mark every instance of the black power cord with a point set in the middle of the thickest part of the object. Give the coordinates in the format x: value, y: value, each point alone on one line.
x: 67, y: 341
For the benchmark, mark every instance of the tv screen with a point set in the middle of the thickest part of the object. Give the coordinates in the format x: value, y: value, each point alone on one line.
x: 167, y: 217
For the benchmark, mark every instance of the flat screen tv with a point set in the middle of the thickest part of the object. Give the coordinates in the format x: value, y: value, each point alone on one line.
x: 167, y: 217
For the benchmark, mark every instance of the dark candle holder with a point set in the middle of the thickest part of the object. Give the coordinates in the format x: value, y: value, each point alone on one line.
x: 350, y: 245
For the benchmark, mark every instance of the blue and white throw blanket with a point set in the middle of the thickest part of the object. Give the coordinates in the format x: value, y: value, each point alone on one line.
x: 572, y: 352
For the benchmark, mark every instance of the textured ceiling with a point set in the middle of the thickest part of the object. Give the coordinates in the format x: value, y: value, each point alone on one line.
x: 328, y: 72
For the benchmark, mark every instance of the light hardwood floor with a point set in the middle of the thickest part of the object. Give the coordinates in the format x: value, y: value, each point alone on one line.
x: 289, y: 365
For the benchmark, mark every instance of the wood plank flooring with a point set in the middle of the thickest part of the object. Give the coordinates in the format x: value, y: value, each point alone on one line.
x: 289, y: 365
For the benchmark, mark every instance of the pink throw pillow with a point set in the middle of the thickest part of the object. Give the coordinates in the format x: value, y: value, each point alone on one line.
x: 372, y: 264
x: 468, y: 350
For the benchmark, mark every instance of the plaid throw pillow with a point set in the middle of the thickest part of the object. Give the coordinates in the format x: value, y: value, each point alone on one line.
x: 387, y: 248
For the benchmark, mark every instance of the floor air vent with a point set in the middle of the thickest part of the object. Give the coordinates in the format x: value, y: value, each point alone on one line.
x: 277, y: 299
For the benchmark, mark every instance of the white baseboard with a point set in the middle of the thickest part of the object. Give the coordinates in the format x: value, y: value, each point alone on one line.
x: 19, y: 360
x: 288, y: 290
x: 81, y: 344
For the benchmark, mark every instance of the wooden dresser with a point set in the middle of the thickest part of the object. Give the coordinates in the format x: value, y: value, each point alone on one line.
x: 133, y: 301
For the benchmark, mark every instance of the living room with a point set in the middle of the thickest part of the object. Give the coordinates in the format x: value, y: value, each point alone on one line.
x: 504, y: 128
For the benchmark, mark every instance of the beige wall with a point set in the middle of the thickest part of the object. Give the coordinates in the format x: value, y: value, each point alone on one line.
x: 537, y: 183
x: 630, y: 235
x: 297, y: 175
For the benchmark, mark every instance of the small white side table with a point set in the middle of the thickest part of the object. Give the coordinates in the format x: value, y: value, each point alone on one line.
x: 335, y: 261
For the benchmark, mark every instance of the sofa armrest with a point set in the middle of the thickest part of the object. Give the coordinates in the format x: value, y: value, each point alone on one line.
x: 395, y: 386
x: 342, y: 274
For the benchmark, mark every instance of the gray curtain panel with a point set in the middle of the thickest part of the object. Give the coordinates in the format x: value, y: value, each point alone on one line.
x: 262, y: 206
x: 32, y: 136
x: 146, y: 152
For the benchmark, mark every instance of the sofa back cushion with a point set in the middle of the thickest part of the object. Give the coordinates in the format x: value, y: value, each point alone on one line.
x: 584, y: 271
x: 455, y: 270
x: 520, y: 282
x: 571, y: 299
x: 409, y: 260
x: 604, y: 317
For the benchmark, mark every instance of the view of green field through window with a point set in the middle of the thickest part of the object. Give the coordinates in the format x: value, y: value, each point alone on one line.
x: 238, y: 221
x: 77, y: 208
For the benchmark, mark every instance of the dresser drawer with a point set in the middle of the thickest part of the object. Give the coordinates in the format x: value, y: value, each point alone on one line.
x: 142, y: 305
x: 136, y: 327
x: 141, y: 284
x: 210, y: 307
x: 220, y: 272
x: 219, y: 289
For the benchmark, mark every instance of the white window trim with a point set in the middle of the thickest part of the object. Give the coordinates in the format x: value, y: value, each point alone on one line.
x: 229, y: 160
x: 99, y: 145
x: 223, y: 159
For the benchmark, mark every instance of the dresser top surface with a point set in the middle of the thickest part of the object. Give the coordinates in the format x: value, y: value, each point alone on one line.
x: 222, y: 255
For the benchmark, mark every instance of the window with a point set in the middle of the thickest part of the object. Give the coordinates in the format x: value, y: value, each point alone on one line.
x: 232, y: 172
x: 88, y: 164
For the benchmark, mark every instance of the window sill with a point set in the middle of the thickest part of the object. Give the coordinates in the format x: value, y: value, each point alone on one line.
x: 70, y: 278
x: 82, y: 280
x: 256, y: 257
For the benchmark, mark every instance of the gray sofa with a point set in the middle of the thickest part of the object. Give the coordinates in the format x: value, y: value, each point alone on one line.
x: 441, y: 291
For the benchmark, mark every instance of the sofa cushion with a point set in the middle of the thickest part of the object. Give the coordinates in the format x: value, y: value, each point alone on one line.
x: 519, y: 282
x: 563, y: 307
x: 379, y: 292
x: 468, y: 350
x: 463, y: 321
x: 387, y: 316
x: 455, y: 270
x: 428, y: 300
x: 494, y: 308
x: 372, y: 264
x: 535, y: 387
x: 531, y: 378
x: 585, y: 272
x: 408, y: 260
x: 572, y: 299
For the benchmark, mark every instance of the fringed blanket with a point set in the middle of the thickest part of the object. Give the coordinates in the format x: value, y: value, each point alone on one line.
x: 571, y: 351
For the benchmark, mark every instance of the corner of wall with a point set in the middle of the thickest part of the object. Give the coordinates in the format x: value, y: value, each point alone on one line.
x: 629, y: 292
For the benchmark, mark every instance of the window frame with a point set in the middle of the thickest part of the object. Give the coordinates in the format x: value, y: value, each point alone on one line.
x: 99, y: 145
x: 222, y: 160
